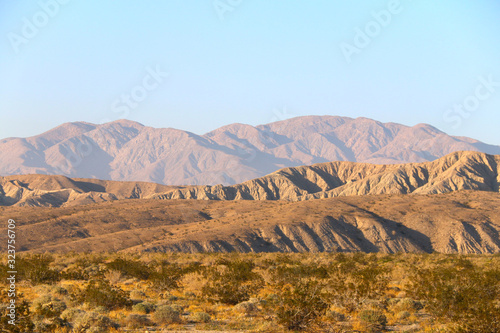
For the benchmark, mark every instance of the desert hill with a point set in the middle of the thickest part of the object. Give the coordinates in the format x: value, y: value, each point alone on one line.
x: 454, y: 172
x: 456, y: 222
x: 128, y: 151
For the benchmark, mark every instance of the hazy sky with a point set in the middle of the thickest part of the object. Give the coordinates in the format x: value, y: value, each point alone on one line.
x: 250, y: 61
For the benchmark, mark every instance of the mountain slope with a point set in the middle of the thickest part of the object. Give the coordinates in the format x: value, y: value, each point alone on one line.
x: 125, y: 150
x: 454, y: 172
x: 458, y: 222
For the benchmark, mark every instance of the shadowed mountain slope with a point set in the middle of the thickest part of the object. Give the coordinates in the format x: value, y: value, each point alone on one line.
x: 457, y: 222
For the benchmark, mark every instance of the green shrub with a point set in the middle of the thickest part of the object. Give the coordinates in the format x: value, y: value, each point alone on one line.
x: 201, y: 317
x: 166, y: 276
x: 373, y: 319
x: 71, y: 314
x: 137, y: 294
x: 134, y: 320
x: 460, y: 292
x: 23, y: 321
x: 101, y: 293
x: 93, y: 322
x: 130, y: 268
x: 298, y: 306
x: 334, y: 315
x: 350, y: 283
x: 165, y: 314
x: 35, y: 269
x: 403, y: 315
x: 48, y: 306
x: 231, y: 281
x: 246, y: 307
x: 144, y: 307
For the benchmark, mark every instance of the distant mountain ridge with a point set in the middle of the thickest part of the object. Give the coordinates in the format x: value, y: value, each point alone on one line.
x: 128, y: 151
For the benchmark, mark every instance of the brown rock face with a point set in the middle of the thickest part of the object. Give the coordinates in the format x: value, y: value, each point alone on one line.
x: 454, y: 172
x: 456, y: 222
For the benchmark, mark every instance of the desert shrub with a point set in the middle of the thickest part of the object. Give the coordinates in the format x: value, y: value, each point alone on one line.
x: 48, y: 306
x: 93, y: 322
x: 58, y: 290
x: 101, y: 293
x: 177, y: 307
x: 46, y: 313
x: 137, y: 294
x: 71, y: 314
x: 460, y: 292
x: 403, y: 315
x: 85, y: 267
x: 373, y: 319
x: 134, y: 320
x: 23, y: 321
x: 334, y: 315
x: 296, y: 271
x: 352, y: 283
x: 406, y: 304
x: 192, y: 284
x: 130, y: 268
x: 298, y: 306
x: 202, y: 317
x: 35, y: 268
x: 143, y: 307
x: 165, y: 314
x: 231, y: 281
x: 246, y: 307
x: 166, y: 276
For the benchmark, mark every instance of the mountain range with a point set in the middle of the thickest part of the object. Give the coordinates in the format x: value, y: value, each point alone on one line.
x: 454, y: 172
x: 128, y: 151
x: 448, y: 205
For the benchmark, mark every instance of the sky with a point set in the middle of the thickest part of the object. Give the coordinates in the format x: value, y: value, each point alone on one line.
x: 199, y: 65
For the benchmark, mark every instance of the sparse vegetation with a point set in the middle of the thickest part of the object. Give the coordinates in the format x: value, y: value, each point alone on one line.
x: 267, y: 292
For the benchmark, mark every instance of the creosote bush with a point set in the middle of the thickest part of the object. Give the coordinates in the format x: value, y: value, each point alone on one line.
x: 101, y: 293
x: 460, y: 292
x: 299, y: 305
x: 202, y: 317
x: 165, y: 314
x: 260, y: 292
x: 231, y: 281
x: 373, y: 319
x: 35, y: 268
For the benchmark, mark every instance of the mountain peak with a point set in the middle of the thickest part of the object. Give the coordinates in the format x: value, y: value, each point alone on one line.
x: 125, y: 123
x: 128, y: 150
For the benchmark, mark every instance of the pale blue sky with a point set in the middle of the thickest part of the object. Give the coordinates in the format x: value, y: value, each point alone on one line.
x: 258, y: 62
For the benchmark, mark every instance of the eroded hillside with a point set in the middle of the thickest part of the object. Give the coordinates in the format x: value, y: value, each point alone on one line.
x: 458, y: 222
x: 454, y: 172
